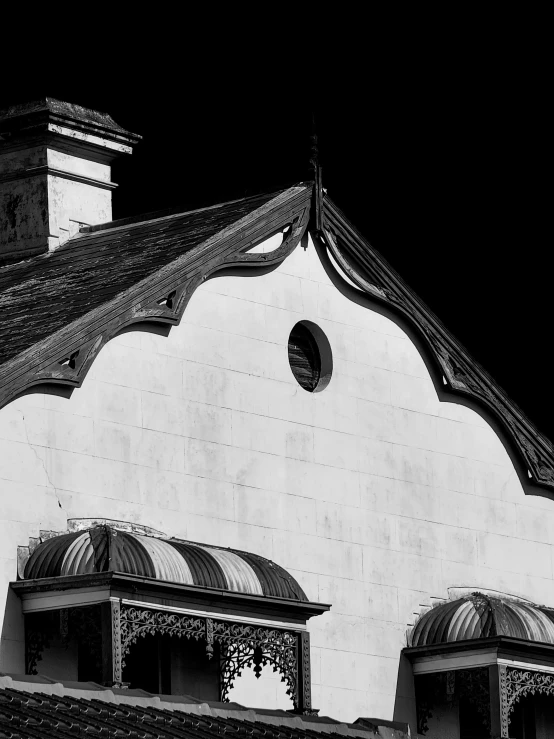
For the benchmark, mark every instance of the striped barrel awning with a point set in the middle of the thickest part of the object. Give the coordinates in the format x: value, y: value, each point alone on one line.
x: 105, y: 548
x: 479, y: 616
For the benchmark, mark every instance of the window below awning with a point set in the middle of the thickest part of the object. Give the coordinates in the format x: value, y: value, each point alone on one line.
x: 492, y: 652
x: 110, y: 588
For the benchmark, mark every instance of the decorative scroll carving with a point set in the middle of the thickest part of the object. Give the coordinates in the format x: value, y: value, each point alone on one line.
x: 257, y: 646
x: 169, y: 308
x: 242, y: 646
x: 504, y: 711
x: 237, y: 657
x: 516, y: 683
x: 137, y: 622
x: 473, y: 685
x: 365, y: 267
x: 63, y: 358
x: 209, y: 638
x: 117, y: 650
x: 304, y: 649
x: 291, y: 239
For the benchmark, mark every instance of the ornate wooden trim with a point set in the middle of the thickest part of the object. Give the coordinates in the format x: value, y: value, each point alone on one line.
x: 457, y: 375
x: 60, y: 362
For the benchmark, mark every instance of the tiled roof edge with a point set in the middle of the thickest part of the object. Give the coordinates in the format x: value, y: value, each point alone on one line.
x: 201, y: 709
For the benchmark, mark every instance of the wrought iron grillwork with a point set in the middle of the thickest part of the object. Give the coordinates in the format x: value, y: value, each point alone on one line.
x: 516, y: 683
x: 248, y: 646
x: 242, y: 646
x: 137, y: 622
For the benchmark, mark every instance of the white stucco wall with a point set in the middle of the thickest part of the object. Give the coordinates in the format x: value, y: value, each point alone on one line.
x: 374, y: 494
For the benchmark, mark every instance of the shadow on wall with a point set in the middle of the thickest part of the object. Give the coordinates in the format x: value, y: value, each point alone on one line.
x: 405, y: 704
x: 12, y: 643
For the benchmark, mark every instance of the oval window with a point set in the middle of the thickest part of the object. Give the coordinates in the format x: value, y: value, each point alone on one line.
x: 310, y: 357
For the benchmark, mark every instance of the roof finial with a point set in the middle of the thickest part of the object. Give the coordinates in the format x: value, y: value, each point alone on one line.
x: 314, y: 159
x: 318, y: 186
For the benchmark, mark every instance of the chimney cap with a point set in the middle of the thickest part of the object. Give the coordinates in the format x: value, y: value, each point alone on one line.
x: 25, y: 119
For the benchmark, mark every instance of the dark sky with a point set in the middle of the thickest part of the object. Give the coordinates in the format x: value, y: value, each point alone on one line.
x: 434, y: 144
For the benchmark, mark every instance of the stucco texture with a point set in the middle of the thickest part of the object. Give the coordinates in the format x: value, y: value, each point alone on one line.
x: 373, y: 494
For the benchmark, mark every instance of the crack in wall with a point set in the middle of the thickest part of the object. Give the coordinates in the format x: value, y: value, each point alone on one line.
x: 40, y: 460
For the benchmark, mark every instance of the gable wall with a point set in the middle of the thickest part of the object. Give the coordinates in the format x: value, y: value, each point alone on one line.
x: 375, y: 495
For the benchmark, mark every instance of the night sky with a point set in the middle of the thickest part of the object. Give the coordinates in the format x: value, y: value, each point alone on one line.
x: 435, y: 150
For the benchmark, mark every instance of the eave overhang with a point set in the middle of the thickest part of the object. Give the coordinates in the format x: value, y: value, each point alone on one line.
x: 61, y: 308
x: 53, y: 593
x: 472, y: 653
x: 456, y: 375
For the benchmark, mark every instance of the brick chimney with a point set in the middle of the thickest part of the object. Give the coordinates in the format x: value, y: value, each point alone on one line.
x: 55, y: 174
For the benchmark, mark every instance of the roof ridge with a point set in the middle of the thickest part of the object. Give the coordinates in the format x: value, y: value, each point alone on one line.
x: 62, y: 109
x: 165, y: 213
x: 92, y: 692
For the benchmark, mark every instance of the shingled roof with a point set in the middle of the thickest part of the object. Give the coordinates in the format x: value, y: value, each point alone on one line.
x: 57, y: 310
x: 42, y: 295
x: 65, y: 305
x: 41, y: 708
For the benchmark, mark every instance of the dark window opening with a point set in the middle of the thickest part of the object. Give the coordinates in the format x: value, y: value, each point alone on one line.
x: 148, y: 664
x: 310, y: 356
x: 172, y: 666
x: 474, y: 724
x: 522, y: 719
